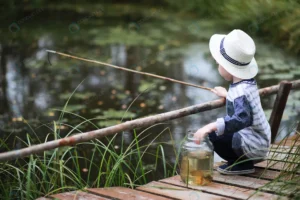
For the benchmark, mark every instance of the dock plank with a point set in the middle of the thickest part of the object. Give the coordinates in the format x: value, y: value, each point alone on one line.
x: 77, y: 195
x: 282, y: 155
x: 284, y: 149
x: 290, y: 141
x: 262, y: 173
x: 277, y: 165
x: 178, y: 192
x: 223, y: 189
x: 240, y: 181
x: 125, y: 193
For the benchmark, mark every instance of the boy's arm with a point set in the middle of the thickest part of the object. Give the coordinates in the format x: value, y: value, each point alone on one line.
x: 220, y: 91
x: 205, y: 130
x: 241, y: 118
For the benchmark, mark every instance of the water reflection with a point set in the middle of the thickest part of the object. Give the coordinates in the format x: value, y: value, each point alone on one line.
x: 17, y: 86
x: 44, y: 42
x: 196, y: 66
x: 118, y: 54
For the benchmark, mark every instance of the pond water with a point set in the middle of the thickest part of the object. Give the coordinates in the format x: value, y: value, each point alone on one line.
x: 153, y: 40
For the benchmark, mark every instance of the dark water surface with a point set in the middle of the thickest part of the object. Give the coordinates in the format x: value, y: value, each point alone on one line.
x: 151, y: 40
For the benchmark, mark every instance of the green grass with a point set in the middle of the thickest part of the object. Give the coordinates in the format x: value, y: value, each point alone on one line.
x: 287, y: 182
x: 289, y: 178
x: 60, y: 170
x: 96, y: 163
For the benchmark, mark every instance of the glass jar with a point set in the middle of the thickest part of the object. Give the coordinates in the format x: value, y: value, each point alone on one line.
x: 196, y: 161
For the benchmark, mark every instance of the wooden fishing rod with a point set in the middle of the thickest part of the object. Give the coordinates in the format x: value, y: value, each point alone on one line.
x: 129, y: 70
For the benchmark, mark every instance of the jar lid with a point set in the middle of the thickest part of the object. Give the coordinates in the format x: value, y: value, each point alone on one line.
x: 191, y: 138
x: 193, y: 142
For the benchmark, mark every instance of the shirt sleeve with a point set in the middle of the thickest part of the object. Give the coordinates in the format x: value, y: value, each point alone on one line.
x: 241, y: 118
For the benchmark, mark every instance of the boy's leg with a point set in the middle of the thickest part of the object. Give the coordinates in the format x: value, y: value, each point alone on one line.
x: 228, y: 146
x: 223, y: 146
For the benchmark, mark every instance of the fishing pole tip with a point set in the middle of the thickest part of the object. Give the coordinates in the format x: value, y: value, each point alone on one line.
x: 50, y: 51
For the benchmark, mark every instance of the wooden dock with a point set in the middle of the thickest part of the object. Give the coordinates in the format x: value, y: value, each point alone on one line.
x: 222, y: 187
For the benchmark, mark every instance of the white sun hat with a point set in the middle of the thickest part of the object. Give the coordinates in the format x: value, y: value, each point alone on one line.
x: 235, y: 52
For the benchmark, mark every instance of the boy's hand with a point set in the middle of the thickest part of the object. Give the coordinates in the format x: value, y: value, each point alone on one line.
x: 200, y: 135
x: 220, y: 91
x: 204, y: 131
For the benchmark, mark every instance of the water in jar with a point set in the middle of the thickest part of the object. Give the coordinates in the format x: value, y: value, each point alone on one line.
x: 196, y: 167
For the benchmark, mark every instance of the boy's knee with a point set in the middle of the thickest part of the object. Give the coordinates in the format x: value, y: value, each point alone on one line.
x: 237, y: 144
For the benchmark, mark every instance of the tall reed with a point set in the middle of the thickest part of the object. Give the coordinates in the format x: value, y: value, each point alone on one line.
x: 97, y: 163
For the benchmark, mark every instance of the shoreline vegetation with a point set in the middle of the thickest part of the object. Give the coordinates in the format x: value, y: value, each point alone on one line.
x: 274, y: 21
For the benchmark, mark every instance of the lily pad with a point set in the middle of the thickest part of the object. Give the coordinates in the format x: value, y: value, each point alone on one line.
x: 146, y: 85
x: 283, y: 76
x: 150, y: 102
x: 85, y: 95
x: 34, y: 64
x: 124, y: 36
x: 108, y: 123
x: 266, y: 76
x: 149, y: 167
x: 97, y: 110
x: 81, y: 96
x: 72, y: 108
x: 118, y: 114
x: 121, y: 96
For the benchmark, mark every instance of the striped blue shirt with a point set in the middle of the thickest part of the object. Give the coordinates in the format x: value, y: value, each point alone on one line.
x: 246, y: 117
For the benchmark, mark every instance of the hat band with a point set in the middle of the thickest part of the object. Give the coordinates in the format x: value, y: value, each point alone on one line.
x: 227, y: 57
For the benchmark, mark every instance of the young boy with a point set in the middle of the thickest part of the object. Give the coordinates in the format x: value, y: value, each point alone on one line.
x: 243, y: 135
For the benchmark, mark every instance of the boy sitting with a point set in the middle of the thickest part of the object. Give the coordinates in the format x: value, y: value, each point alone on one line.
x: 243, y: 135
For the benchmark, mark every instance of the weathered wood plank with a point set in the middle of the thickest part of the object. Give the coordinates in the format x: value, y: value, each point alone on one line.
x: 224, y: 189
x: 292, y: 140
x: 77, y: 195
x: 283, y: 149
x: 239, y: 181
x: 286, y: 157
x: 257, y: 180
x: 124, y: 193
x: 277, y: 165
x: 264, y: 174
x: 178, y: 192
x: 260, y: 171
x: 229, y: 186
x: 248, y: 182
x: 267, y: 169
x: 281, y: 145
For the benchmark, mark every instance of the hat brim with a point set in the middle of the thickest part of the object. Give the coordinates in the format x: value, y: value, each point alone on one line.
x: 246, y: 72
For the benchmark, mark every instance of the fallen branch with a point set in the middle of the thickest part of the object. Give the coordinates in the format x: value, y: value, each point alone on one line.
x: 129, y: 125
